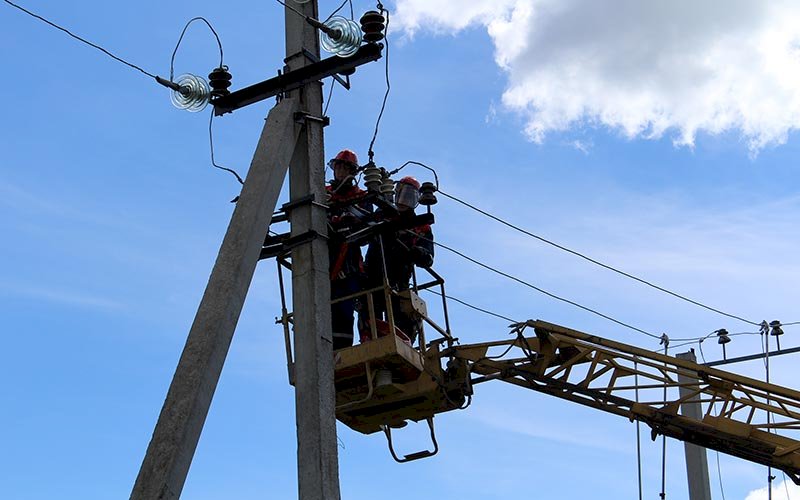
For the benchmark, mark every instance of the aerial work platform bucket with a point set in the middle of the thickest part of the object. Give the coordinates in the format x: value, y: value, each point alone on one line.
x: 385, y: 382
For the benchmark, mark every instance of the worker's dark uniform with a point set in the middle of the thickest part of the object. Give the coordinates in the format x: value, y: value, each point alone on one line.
x: 346, y: 264
x: 402, y: 250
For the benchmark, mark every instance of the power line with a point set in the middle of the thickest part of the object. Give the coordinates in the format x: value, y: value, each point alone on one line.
x: 540, y: 290
x: 700, y: 340
x: 594, y: 261
x: 420, y: 164
x: 719, y: 476
x: 87, y: 42
x: 211, y: 141
x: 174, y: 52
x: 471, y: 306
x: 328, y: 100
x: 388, y: 83
x: 352, y: 13
x: 292, y: 9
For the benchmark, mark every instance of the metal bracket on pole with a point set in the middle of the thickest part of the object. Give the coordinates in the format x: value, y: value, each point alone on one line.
x: 344, y: 82
x: 295, y: 79
x: 303, y: 116
x: 283, y: 244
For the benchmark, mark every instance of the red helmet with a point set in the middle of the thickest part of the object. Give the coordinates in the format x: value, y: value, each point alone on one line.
x: 410, y: 181
x: 407, y: 194
x: 348, y: 157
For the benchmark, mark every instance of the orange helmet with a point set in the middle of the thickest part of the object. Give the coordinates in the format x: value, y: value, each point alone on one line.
x: 348, y: 157
x: 410, y: 181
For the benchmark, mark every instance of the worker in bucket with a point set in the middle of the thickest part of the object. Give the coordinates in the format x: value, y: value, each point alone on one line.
x: 402, y: 250
x: 347, y: 271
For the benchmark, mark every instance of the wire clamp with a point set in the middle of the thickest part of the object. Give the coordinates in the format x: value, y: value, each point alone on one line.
x: 304, y: 117
x: 310, y: 199
x: 282, y: 244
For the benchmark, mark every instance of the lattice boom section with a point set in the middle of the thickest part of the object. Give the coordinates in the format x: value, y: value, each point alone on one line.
x: 737, y: 415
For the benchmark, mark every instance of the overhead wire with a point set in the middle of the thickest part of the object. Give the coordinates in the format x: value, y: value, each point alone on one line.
x: 388, y: 83
x: 180, y: 39
x: 171, y: 65
x: 700, y: 340
x: 719, y: 476
x: 420, y: 164
x: 211, y: 142
x: 291, y: 8
x: 87, y: 42
x: 221, y: 65
x: 472, y: 306
x: 330, y: 96
x: 594, y: 261
x: 352, y: 12
x: 538, y: 289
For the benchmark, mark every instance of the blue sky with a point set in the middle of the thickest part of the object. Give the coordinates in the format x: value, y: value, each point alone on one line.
x: 112, y: 217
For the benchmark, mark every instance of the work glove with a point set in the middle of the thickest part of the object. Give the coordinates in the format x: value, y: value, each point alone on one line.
x: 420, y: 257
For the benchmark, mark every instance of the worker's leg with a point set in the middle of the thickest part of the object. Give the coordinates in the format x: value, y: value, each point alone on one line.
x: 403, y: 321
x: 342, y: 316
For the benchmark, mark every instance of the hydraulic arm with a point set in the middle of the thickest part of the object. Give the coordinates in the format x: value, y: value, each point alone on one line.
x: 741, y: 416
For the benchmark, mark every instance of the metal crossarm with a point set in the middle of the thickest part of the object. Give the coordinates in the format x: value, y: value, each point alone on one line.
x: 741, y: 416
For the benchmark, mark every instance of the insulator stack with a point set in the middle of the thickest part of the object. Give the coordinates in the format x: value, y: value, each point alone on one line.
x: 722, y: 339
x: 387, y: 185
x: 426, y: 194
x: 372, y: 177
x: 373, y: 24
x: 193, y: 93
x: 220, y: 80
x: 341, y: 36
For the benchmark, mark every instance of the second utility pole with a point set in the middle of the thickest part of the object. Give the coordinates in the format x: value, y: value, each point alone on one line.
x: 315, y: 397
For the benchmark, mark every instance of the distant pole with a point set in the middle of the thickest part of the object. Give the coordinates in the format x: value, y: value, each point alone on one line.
x: 696, y: 458
x: 315, y: 398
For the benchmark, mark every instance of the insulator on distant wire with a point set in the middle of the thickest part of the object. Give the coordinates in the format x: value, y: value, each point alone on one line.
x: 776, y: 328
x: 426, y: 194
x: 341, y: 36
x: 373, y: 24
x: 722, y: 339
x: 193, y: 93
x: 220, y: 80
x: 372, y: 177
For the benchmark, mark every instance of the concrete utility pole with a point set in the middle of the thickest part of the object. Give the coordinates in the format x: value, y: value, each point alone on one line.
x: 696, y: 459
x: 315, y: 396
x: 292, y: 139
x: 169, y: 454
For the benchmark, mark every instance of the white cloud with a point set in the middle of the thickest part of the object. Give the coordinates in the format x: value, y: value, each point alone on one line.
x: 582, y: 146
x: 780, y: 491
x: 642, y: 68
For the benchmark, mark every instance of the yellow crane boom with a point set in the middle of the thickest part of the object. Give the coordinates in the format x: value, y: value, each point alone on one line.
x: 383, y: 383
x: 742, y: 416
